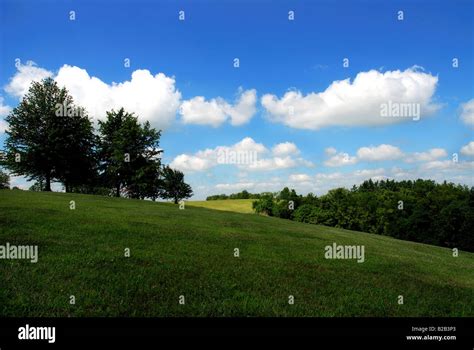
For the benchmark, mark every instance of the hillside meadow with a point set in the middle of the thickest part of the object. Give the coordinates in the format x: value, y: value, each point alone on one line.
x: 191, y: 253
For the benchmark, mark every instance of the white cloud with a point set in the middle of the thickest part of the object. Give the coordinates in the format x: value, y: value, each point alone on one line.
x: 187, y: 162
x: 340, y: 159
x: 447, y: 165
x: 151, y: 97
x: 241, y: 112
x: 374, y: 174
x: 468, y: 150
x: 274, y: 163
x: 300, y: 178
x: 285, y: 148
x: 467, y: 112
x: 346, y: 103
x: 25, y: 75
x: 246, y: 155
x: 199, y: 111
x: 379, y: 153
x: 216, y: 111
x: 208, y: 158
x: 428, y: 156
x: 247, y: 144
x: 370, y: 154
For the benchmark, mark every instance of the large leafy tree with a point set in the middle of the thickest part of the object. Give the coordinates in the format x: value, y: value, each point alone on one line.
x: 173, y: 185
x: 129, y: 155
x: 45, y: 141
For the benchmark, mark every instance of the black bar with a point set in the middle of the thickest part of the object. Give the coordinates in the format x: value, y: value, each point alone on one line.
x: 336, y: 330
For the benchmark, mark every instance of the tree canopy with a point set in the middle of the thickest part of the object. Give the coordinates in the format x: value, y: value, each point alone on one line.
x: 45, y: 141
x: 421, y: 210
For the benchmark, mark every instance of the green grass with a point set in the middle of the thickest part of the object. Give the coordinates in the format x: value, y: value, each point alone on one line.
x: 190, y: 252
x: 235, y: 205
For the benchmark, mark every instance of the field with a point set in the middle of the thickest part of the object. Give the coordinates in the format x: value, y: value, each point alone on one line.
x: 235, y: 205
x: 190, y: 253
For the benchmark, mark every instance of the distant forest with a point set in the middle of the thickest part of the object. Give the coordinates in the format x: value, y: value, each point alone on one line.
x: 421, y: 211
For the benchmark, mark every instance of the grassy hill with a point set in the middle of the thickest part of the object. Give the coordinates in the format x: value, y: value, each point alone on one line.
x: 235, y: 205
x: 191, y: 252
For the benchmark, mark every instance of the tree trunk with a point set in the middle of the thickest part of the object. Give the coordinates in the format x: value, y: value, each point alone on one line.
x: 47, y: 186
x: 117, y: 193
x: 175, y: 200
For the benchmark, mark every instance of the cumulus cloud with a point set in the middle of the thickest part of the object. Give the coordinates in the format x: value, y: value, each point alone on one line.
x: 386, y: 152
x: 274, y: 163
x: 468, y: 150
x: 208, y: 158
x: 152, y: 97
x: 197, y: 162
x: 216, y: 111
x: 430, y: 155
x: 370, y: 154
x: 284, y: 149
x: 340, y: 159
x: 467, y: 112
x: 245, y: 154
x: 357, y: 103
x: 379, y: 153
x: 25, y: 75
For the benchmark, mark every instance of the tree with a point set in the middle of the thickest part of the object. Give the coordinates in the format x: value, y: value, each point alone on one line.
x: 129, y: 155
x: 265, y: 205
x: 173, y: 185
x: 4, y: 181
x: 49, y: 137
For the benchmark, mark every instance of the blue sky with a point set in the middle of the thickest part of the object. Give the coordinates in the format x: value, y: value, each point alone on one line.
x: 333, y: 136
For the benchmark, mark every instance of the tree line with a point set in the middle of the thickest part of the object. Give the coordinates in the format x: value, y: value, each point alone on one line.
x: 239, y: 195
x: 420, y: 210
x: 51, y: 139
